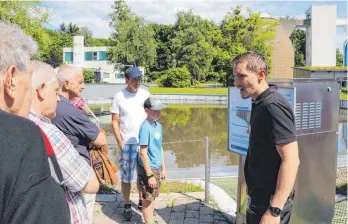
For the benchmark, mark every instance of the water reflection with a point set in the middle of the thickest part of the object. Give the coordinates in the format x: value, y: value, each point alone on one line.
x: 183, y: 132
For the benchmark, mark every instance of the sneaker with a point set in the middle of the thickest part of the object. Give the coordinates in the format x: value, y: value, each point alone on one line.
x: 154, y: 222
x: 127, y: 214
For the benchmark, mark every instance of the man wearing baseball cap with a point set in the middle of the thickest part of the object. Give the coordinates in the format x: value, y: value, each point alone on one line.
x: 127, y: 115
x: 151, y: 168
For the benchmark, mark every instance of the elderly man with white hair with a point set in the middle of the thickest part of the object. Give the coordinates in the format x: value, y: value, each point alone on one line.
x: 78, y: 176
x: 73, y: 122
x: 28, y: 193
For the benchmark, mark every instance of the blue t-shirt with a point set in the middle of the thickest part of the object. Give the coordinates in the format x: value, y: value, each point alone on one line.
x: 151, y: 135
x: 76, y: 126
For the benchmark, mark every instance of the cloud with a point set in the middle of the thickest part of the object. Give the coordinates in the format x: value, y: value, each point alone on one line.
x: 93, y: 15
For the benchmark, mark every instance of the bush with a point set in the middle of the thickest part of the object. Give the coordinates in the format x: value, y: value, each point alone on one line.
x: 213, y: 76
x: 153, y: 76
x: 175, y: 77
x: 88, y: 76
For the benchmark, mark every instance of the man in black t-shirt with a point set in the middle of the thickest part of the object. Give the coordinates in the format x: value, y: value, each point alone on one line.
x: 272, y: 161
x: 29, y: 172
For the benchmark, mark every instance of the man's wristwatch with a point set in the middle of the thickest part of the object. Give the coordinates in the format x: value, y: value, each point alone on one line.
x: 275, y: 211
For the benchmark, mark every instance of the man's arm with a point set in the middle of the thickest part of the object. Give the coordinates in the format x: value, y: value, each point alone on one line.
x: 92, y: 186
x: 287, y: 173
x: 116, y: 129
x: 100, y: 140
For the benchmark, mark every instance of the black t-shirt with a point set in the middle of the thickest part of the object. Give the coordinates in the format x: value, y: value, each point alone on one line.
x: 272, y: 123
x: 28, y: 193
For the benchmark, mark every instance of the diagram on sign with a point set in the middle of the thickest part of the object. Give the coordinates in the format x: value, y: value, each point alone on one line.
x: 239, y: 118
x: 242, y: 116
x: 239, y: 112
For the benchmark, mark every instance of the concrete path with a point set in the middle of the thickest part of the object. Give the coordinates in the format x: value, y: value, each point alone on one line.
x: 173, y: 208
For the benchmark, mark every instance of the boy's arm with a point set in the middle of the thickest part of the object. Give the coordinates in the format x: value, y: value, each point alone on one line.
x: 164, y: 170
x: 144, y: 158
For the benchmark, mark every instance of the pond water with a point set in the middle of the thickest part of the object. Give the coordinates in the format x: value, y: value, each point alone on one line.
x: 184, y: 129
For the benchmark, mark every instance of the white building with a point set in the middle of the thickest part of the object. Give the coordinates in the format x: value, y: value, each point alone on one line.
x: 321, y: 35
x: 321, y: 22
x: 95, y: 59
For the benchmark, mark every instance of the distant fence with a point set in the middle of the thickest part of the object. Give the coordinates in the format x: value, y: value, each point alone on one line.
x: 343, y: 104
x: 103, y: 91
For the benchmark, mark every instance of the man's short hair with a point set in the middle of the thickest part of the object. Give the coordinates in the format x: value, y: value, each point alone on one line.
x: 67, y: 72
x: 15, y: 47
x: 255, y: 61
x: 42, y: 74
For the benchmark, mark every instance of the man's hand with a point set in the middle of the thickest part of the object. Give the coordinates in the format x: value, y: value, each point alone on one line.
x: 121, y: 145
x: 267, y: 218
x: 152, y: 182
x: 164, y: 173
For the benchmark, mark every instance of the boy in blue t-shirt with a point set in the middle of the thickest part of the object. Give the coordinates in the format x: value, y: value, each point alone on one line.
x: 151, y: 166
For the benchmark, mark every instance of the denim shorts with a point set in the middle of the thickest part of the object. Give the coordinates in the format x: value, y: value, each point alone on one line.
x: 128, y: 162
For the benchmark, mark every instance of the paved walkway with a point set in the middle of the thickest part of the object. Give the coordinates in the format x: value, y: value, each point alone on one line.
x: 172, y: 208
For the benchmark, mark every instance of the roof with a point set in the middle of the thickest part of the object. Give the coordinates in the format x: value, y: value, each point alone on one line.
x: 323, y: 68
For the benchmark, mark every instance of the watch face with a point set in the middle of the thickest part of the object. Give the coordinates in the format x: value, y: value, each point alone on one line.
x: 275, y: 211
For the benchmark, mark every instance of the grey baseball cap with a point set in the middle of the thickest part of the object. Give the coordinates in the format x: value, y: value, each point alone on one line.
x: 134, y: 72
x: 153, y: 104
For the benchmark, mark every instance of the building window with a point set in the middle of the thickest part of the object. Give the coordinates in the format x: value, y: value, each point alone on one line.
x: 102, y: 56
x: 68, y: 56
x: 88, y: 56
x: 96, y: 56
x: 106, y: 75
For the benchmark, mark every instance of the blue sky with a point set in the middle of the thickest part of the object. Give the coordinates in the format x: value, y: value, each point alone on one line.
x: 94, y: 14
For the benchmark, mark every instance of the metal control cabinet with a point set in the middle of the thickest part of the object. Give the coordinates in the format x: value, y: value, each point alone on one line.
x: 316, y: 116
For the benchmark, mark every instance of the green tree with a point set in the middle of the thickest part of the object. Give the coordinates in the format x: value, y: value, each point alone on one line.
x: 88, y: 76
x: 298, y: 39
x: 101, y: 42
x: 162, y: 34
x: 176, y: 77
x: 87, y: 36
x: 134, y: 42
x: 241, y: 34
x: 339, y: 58
x: 55, y: 57
x: 192, y: 44
x: 31, y: 18
x: 71, y: 29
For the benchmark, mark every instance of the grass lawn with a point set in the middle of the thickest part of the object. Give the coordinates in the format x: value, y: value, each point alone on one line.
x: 179, y: 106
x: 166, y: 187
x: 175, y: 106
x: 179, y: 187
x: 159, y: 90
x: 229, y: 185
x: 343, y: 96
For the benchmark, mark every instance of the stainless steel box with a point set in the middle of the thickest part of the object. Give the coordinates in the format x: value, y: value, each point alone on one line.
x: 317, y: 116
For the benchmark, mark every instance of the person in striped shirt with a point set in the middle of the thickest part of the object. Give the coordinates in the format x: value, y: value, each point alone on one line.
x: 78, y: 177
